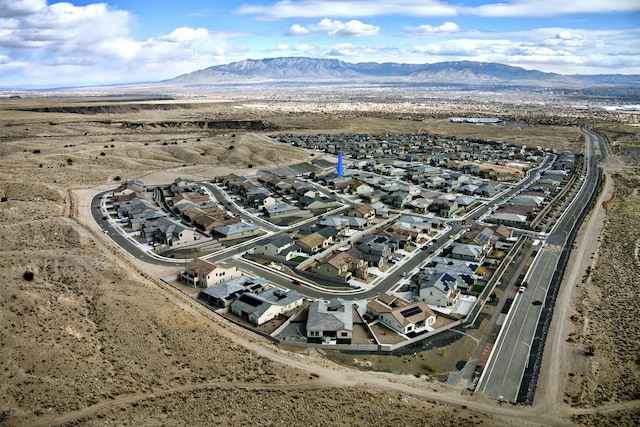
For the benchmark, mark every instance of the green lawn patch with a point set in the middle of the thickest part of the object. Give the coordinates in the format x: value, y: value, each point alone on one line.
x: 477, y: 288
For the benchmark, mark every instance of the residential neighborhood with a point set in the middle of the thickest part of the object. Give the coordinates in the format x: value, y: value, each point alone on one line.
x: 427, y: 220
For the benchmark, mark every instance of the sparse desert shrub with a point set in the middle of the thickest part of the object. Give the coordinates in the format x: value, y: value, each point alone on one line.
x: 231, y: 147
x: 117, y: 178
x: 36, y: 151
x: 102, y: 154
x: 69, y: 162
x: 28, y: 275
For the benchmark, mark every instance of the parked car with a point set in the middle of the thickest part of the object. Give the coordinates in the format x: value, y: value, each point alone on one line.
x: 521, y: 289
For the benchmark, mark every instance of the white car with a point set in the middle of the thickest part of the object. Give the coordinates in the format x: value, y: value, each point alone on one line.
x: 521, y: 289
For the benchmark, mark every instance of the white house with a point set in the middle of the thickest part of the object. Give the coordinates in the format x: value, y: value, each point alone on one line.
x: 438, y: 288
x: 330, y: 320
x: 201, y: 273
x: 261, y: 307
x: 401, y: 315
x: 274, y: 247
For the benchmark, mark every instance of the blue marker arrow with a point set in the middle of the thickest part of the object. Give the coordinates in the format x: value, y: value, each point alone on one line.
x: 340, y: 168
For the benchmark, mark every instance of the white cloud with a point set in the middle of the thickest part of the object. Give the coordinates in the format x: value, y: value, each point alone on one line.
x: 186, y: 34
x: 66, y: 44
x: 447, y: 27
x: 539, y: 8
x: 334, y: 28
x: 296, y: 30
x: 422, y: 8
x: 283, y: 46
x: 304, y: 48
x: 12, y: 8
x: 350, y: 8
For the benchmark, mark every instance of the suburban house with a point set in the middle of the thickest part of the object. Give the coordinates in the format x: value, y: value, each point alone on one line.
x: 262, y: 307
x: 208, y: 222
x: 225, y: 293
x: 330, y: 321
x: 168, y: 232
x: 443, y: 207
x: 379, y: 248
x: 341, y: 267
x: 356, y: 223
x: 468, y: 252
x: 235, y: 231
x: 438, y: 288
x: 399, y: 314
x: 133, y: 207
x: 128, y: 187
x: 313, y: 243
x: 322, y: 203
x: 283, y: 210
x: 275, y: 247
x: 515, y: 216
x: 503, y: 232
x: 201, y: 273
x: 362, y: 211
x: 259, y: 200
x: 402, y: 235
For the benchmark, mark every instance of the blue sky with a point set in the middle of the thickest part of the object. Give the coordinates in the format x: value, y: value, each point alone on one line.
x: 119, y: 41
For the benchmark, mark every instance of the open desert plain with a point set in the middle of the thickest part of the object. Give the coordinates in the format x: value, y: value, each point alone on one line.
x: 91, y: 335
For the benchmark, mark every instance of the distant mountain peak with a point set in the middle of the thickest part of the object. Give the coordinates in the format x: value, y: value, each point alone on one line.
x: 305, y: 69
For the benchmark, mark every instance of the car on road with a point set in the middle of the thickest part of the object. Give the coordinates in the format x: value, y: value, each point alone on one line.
x: 521, y: 289
x: 296, y: 282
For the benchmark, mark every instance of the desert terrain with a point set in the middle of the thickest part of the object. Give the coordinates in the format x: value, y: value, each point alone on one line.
x: 91, y: 336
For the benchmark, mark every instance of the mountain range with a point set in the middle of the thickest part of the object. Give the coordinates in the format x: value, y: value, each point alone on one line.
x: 303, y: 69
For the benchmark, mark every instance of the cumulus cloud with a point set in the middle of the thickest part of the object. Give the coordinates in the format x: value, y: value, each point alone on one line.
x: 13, y: 8
x: 334, y: 28
x: 447, y: 27
x: 92, y: 44
x: 296, y: 30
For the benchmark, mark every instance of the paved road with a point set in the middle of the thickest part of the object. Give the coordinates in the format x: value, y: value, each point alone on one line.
x: 386, y: 284
x: 502, y: 376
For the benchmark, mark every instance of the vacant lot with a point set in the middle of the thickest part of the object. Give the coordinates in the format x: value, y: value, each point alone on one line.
x: 92, y: 338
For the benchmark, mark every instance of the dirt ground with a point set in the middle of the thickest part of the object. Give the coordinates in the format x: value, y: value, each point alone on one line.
x: 94, y: 338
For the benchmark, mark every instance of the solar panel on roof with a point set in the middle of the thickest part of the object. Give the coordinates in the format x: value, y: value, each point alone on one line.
x: 248, y: 299
x: 411, y: 311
